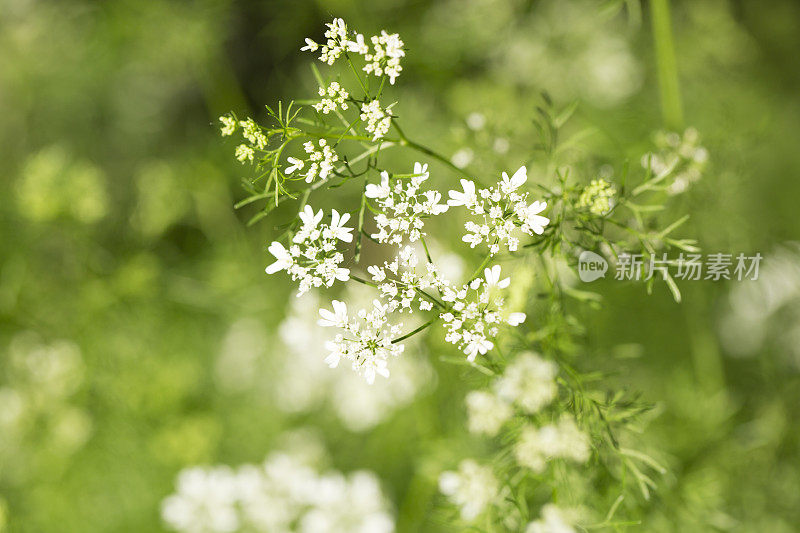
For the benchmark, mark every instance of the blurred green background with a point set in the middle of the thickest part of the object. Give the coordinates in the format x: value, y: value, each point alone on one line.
x: 138, y: 331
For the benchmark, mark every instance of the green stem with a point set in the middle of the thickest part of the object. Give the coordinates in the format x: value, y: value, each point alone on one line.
x: 422, y: 327
x: 363, y: 281
x: 666, y: 64
x: 480, y: 268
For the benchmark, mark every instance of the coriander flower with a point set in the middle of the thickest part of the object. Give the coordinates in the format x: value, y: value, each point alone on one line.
x: 404, y: 206
x: 487, y: 413
x: 334, y: 97
x: 357, y: 46
x: 385, y: 57
x: 366, y: 340
x: 528, y: 382
x: 378, y: 120
x: 228, y: 125
x: 338, y: 318
x: 283, y: 258
x: 562, y: 440
x: 402, y: 284
x: 475, y: 313
x: 337, y: 229
x: 285, y: 493
x: 502, y: 209
x: 296, y: 164
x: 252, y: 132
x: 244, y: 153
x: 468, y: 198
x: 321, y: 159
x: 312, y: 258
x: 597, y: 197
x: 473, y: 487
x: 310, y: 46
x: 493, y: 278
x: 336, y: 35
x: 553, y: 520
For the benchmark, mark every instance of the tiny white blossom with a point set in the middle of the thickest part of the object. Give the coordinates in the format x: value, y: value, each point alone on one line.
x: 283, y: 258
x: 296, y: 164
x: 338, y: 318
x: 468, y: 198
x: 244, y: 153
x: 310, y: 46
x: 385, y: 56
x: 321, y: 159
x: 493, y: 278
x: 228, y: 125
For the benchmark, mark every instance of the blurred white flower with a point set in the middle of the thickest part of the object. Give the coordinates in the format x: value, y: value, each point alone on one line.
x: 472, y: 488
x: 552, y: 520
x: 487, y: 413
x: 528, y: 382
x: 563, y: 440
x: 285, y: 494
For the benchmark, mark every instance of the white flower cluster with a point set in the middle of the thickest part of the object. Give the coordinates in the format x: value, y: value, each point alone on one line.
x: 487, y: 413
x: 475, y: 313
x: 528, y: 384
x: 335, y: 36
x: 405, y: 206
x: 37, y: 394
x: 281, y: 496
x: 366, y: 341
x: 312, y: 258
x: 679, y: 156
x: 503, y: 209
x: 250, y: 131
x: 332, y: 98
x: 228, y: 125
x: 400, y: 283
x: 321, y: 160
x: 303, y: 382
x: 383, y: 59
x: 562, y: 440
x: 378, y: 120
x: 472, y: 488
x: 553, y: 520
x: 598, y: 197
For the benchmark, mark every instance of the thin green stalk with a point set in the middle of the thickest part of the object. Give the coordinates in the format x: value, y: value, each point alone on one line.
x: 363, y: 281
x: 480, y: 268
x: 422, y: 327
x: 667, y: 65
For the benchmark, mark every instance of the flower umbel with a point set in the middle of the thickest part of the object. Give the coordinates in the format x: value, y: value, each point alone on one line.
x: 366, y: 340
x: 312, y: 257
x: 404, y: 206
x: 503, y: 209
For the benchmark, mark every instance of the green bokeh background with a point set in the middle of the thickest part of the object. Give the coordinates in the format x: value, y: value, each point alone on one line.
x: 117, y: 234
